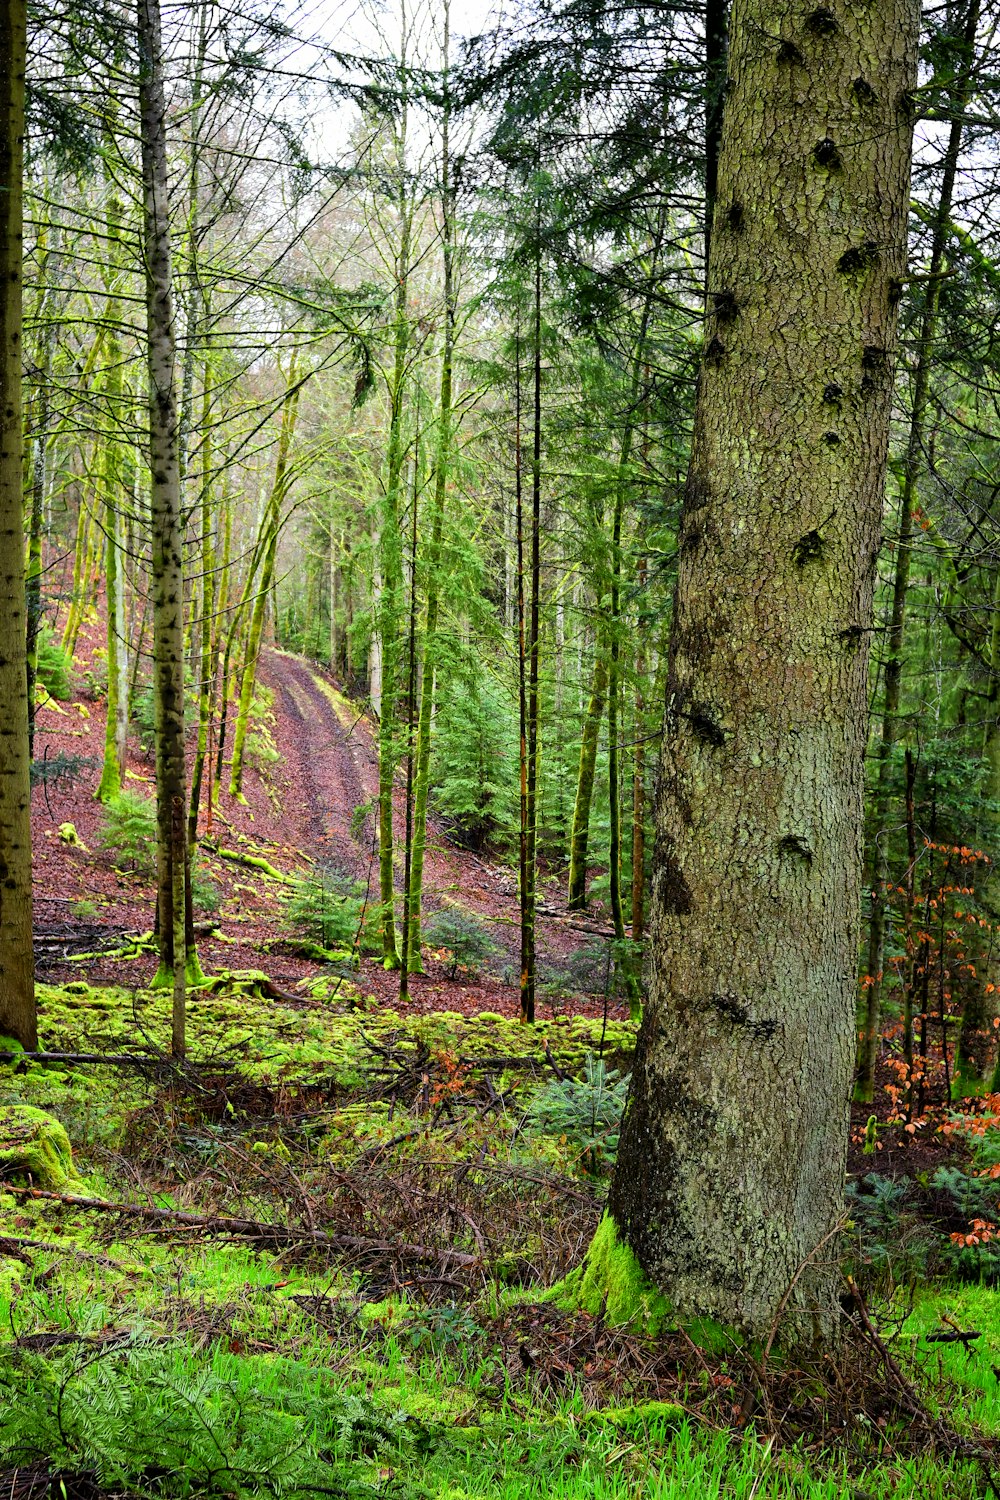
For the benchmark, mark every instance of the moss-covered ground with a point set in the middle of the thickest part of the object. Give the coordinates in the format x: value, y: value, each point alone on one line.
x: 155, y: 1359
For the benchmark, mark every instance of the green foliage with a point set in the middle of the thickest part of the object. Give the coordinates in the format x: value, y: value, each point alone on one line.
x: 439, y: 1329
x: 83, y: 910
x: 464, y: 936
x: 128, y: 832
x: 205, y: 894
x: 475, y: 769
x: 971, y: 1196
x: 54, y: 669
x: 61, y: 769
x: 150, y: 1421
x: 325, y: 908
x: 260, y: 749
x: 587, y: 1111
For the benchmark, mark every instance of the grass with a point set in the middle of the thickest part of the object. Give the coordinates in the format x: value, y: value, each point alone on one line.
x: 252, y: 1373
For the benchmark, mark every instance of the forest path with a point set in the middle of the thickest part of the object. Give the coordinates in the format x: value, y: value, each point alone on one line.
x: 326, y: 759
x: 330, y: 750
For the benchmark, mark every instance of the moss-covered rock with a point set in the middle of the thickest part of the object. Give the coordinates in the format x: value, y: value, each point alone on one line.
x: 34, y: 1147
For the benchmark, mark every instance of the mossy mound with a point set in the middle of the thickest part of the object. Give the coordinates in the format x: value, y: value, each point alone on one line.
x: 34, y: 1147
x: 275, y: 1038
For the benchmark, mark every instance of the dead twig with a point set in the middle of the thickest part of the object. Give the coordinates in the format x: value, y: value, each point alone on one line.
x: 225, y: 1226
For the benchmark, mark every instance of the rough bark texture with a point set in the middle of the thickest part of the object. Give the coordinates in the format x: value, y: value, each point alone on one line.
x: 165, y: 514
x: 730, y: 1173
x: 17, y: 973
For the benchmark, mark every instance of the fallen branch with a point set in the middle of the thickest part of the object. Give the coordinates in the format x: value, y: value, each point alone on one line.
x: 252, y: 1229
x: 113, y: 1060
x: 255, y: 862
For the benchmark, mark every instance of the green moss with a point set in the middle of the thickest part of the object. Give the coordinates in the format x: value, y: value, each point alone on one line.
x: 646, y: 1416
x: 611, y: 1281
x: 35, y: 1146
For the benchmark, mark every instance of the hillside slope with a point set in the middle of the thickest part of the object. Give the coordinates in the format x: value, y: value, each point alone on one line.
x: 312, y: 804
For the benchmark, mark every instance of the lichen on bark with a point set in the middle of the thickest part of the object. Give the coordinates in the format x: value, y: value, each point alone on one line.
x: 730, y: 1175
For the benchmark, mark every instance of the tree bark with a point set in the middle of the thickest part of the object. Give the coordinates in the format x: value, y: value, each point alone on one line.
x: 167, y: 536
x: 580, y: 836
x: 730, y: 1174
x: 442, y: 464
x: 17, y: 969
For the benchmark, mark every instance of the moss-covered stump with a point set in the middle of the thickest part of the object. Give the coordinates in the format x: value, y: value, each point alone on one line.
x: 34, y: 1148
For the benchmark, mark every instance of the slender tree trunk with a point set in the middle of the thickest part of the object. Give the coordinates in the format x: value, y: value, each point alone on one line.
x: 39, y: 480
x: 411, y: 699
x: 639, y: 788
x: 534, y: 650
x: 525, y: 886
x: 390, y: 549
x: 17, y: 970
x: 728, y: 1187
x: 116, y: 720
x: 415, y: 882
x: 912, y: 468
x: 580, y: 835
x: 262, y: 594
x: 167, y: 538
x: 206, y: 654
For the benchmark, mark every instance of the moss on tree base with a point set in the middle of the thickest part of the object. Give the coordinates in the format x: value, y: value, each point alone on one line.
x: 612, y: 1282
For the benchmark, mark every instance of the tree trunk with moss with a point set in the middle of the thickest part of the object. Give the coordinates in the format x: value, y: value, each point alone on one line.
x: 167, y: 564
x: 728, y: 1188
x: 17, y: 969
x: 442, y: 461
x: 255, y: 635
x: 580, y: 835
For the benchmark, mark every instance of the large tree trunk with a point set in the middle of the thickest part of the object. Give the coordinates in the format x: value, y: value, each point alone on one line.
x: 17, y: 972
x: 730, y: 1176
x: 165, y: 513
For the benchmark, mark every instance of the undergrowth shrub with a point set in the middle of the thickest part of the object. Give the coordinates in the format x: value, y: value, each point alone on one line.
x: 54, y: 669
x: 324, y: 908
x: 586, y: 1111
x: 475, y: 787
x: 463, y: 936
x: 128, y: 832
x: 148, y: 1421
x: 261, y: 751
x: 205, y: 894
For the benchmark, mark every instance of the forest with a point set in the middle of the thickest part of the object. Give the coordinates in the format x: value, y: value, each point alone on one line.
x: 499, y: 749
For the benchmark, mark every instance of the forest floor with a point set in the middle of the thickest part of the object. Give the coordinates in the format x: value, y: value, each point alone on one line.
x: 325, y: 1257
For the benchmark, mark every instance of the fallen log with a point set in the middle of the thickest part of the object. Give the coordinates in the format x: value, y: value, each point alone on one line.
x: 252, y: 1229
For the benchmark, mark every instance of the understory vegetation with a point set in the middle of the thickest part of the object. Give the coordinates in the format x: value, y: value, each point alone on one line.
x: 321, y: 1258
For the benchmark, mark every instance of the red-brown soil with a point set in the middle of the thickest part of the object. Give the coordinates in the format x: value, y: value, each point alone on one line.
x: 298, y: 810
